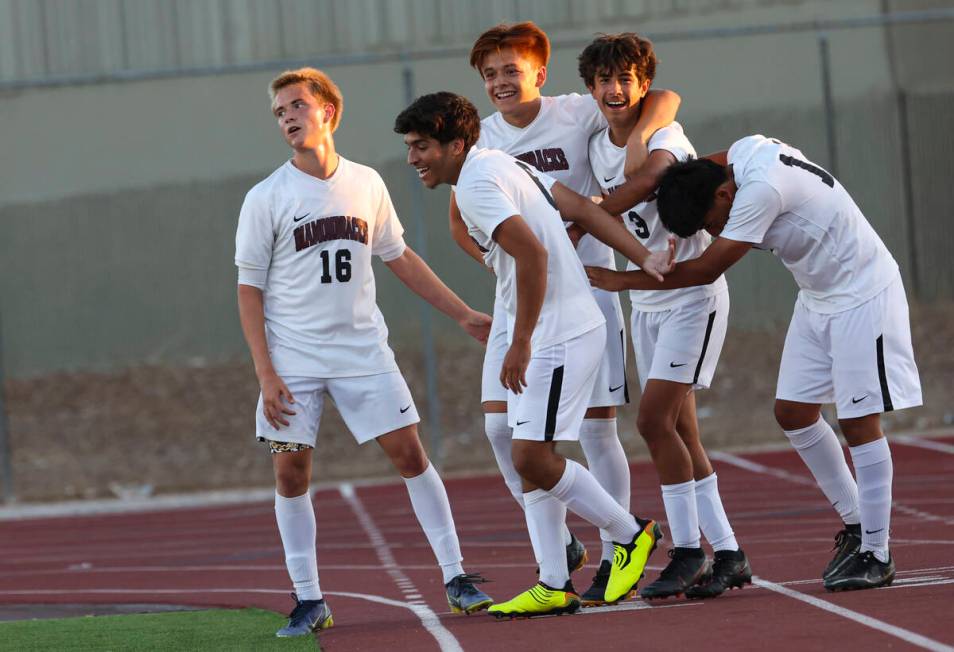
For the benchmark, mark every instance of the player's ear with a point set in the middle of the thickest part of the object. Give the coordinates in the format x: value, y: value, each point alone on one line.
x: 329, y: 112
x: 457, y: 146
x: 644, y: 87
x: 541, y: 77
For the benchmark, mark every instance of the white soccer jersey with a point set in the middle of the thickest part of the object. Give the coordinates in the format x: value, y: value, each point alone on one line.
x: 314, y: 239
x: 556, y: 143
x: 608, y: 161
x: 800, y: 212
x: 493, y: 187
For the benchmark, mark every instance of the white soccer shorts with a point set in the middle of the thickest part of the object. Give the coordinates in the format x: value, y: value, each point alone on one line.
x: 610, y: 387
x: 681, y: 344
x: 559, y: 385
x: 371, y: 406
x: 861, y: 359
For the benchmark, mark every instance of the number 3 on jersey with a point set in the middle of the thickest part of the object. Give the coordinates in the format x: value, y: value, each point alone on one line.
x: 342, y: 266
x: 639, y: 224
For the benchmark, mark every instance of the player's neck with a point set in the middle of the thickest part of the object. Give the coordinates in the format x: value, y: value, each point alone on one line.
x: 321, y: 162
x: 455, y: 171
x: 523, y: 114
x: 619, y: 133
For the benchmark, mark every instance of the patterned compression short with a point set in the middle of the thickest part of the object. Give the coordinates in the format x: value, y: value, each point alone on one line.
x: 286, y: 446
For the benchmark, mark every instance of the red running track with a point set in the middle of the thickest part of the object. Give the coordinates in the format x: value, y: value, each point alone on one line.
x: 389, y: 595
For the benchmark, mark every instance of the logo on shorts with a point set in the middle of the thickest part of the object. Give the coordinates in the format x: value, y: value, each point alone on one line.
x: 520, y: 423
x: 405, y: 409
x: 613, y: 389
x: 674, y: 365
x: 858, y: 400
x: 608, y: 179
x: 299, y: 219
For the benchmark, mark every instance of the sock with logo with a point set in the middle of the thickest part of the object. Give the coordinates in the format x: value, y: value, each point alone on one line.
x: 608, y: 464
x: 875, y: 471
x: 296, y: 525
x: 819, y: 448
x: 429, y: 500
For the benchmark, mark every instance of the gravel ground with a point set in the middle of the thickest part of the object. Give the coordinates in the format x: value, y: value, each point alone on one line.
x: 161, y: 429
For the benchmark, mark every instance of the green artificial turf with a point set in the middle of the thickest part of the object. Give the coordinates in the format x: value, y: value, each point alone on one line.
x: 220, y: 629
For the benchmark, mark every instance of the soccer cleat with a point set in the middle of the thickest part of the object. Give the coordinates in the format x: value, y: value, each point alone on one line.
x: 847, y: 543
x: 308, y: 616
x: 687, y: 566
x: 731, y: 570
x: 465, y: 598
x: 862, y: 571
x: 576, y: 555
x: 596, y: 594
x: 539, y: 600
x: 629, y: 560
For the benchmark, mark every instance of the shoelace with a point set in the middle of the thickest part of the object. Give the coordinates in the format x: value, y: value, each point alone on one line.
x: 840, y: 539
x: 468, y: 580
x: 299, y: 609
x: 670, y: 569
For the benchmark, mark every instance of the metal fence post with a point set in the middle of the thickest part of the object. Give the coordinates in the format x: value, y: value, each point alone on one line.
x: 829, y: 103
x: 6, y: 463
x: 427, y: 330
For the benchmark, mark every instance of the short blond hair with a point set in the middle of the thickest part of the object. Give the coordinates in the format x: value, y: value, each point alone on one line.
x: 319, y: 84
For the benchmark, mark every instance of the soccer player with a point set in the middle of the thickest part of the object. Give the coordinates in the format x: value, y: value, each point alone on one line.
x: 677, y: 334
x: 306, y: 299
x: 555, y: 329
x: 849, y: 340
x: 550, y: 133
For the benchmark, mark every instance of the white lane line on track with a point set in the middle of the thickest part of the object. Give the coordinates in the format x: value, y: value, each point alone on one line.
x: 868, y: 621
x: 429, y: 619
x: 938, y: 446
x: 755, y: 467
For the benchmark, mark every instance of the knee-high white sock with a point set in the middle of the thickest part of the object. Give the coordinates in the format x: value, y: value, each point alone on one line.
x: 680, y: 502
x: 584, y: 496
x: 429, y: 499
x: 296, y: 525
x: 875, y: 471
x: 608, y: 464
x: 545, y: 516
x: 819, y: 448
x: 501, y: 441
x: 712, y: 519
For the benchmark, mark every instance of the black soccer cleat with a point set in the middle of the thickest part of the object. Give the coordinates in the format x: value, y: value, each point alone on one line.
x: 465, y: 598
x: 688, y: 566
x: 308, y: 616
x: 576, y: 555
x: 847, y: 543
x: 596, y: 594
x: 862, y: 571
x: 731, y: 570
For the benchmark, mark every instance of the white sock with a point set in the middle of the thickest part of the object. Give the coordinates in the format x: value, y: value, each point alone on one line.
x: 296, y: 525
x: 680, y: 502
x: 712, y: 519
x: 875, y: 470
x: 584, y: 496
x: 501, y: 441
x: 545, y: 516
x: 819, y: 448
x: 608, y: 464
x: 429, y: 499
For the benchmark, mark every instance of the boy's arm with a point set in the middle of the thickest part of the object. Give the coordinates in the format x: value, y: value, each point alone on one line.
x: 605, y: 228
x: 722, y: 158
x: 705, y: 269
x: 530, y: 258
x: 421, y: 279
x: 659, y: 109
x: 458, y: 231
x: 252, y: 318
x: 638, y: 187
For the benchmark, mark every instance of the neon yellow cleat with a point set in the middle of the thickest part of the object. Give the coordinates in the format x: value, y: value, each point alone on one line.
x: 629, y: 560
x: 539, y: 600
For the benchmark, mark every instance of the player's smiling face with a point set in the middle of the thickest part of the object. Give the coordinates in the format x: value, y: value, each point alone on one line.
x: 303, y: 118
x: 511, y: 79
x: 618, y: 94
x: 435, y: 163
